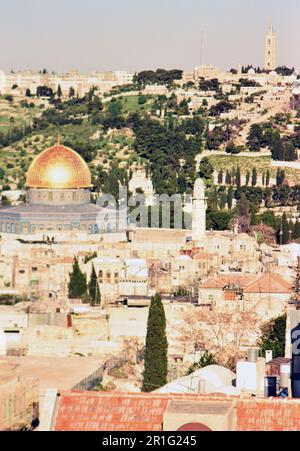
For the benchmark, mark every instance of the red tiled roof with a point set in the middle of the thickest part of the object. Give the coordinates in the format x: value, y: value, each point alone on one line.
x: 269, y: 283
x: 268, y: 415
x: 251, y: 283
x: 222, y: 280
x: 91, y: 411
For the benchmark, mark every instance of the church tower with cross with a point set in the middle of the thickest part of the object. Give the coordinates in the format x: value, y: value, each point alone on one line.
x: 270, y: 49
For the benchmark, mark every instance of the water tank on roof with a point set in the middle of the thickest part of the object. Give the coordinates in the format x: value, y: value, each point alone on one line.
x: 285, y: 373
x: 252, y: 355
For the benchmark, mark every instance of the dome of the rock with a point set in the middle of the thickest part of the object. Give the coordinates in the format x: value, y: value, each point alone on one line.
x: 58, y: 167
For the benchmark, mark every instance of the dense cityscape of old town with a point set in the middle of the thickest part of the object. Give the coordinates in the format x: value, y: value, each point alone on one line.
x: 110, y: 322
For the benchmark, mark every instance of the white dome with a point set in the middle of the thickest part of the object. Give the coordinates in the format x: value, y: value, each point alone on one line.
x: 251, y: 71
x: 227, y: 390
x: 217, y: 375
x: 218, y: 379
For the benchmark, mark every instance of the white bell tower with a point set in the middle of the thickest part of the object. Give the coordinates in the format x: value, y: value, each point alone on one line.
x: 270, y: 49
x: 199, y: 211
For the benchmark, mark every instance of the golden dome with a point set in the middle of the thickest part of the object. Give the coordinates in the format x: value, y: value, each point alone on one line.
x: 58, y: 167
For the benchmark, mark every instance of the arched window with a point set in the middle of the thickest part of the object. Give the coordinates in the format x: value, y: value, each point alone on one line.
x: 108, y: 277
x: 100, y: 276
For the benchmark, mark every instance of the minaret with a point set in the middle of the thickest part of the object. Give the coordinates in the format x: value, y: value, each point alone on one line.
x: 270, y: 49
x: 199, y: 210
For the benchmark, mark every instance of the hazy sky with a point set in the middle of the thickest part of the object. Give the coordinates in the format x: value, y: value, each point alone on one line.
x: 139, y: 34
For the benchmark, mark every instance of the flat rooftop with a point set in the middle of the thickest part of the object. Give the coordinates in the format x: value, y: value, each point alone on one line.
x: 54, y: 372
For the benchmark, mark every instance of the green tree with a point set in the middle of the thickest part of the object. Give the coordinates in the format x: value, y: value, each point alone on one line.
x: 254, y: 177
x: 229, y: 197
x: 77, y: 284
x: 59, y: 91
x: 255, y: 138
x: 206, y: 168
x: 285, y: 227
x: 71, y: 92
x: 280, y: 177
x: 243, y: 206
x: 247, y: 178
x: 268, y: 178
x: 218, y: 220
x: 205, y: 360
x: 273, y: 336
x: 228, y: 178
x: 94, y: 291
x: 238, y: 177
x: 268, y: 218
x: 114, y: 107
x: 156, y: 352
x: 220, y: 177
x: 253, y: 219
x: 296, y: 230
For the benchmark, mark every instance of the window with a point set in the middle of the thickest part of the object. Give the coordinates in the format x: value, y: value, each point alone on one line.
x: 100, y: 276
x: 108, y: 277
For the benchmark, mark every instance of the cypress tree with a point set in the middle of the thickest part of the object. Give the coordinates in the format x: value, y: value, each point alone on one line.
x: 280, y: 177
x: 222, y: 200
x: 220, y: 177
x: 59, y: 91
x: 229, y: 198
x: 94, y: 288
x: 238, y: 177
x: 228, y: 178
x: 71, y: 92
x: 254, y: 177
x: 268, y: 178
x: 296, y: 230
x: 285, y: 230
x: 156, y: 352
x: 247, y: 178
x: 77, y: 285
x: 243, y: 206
